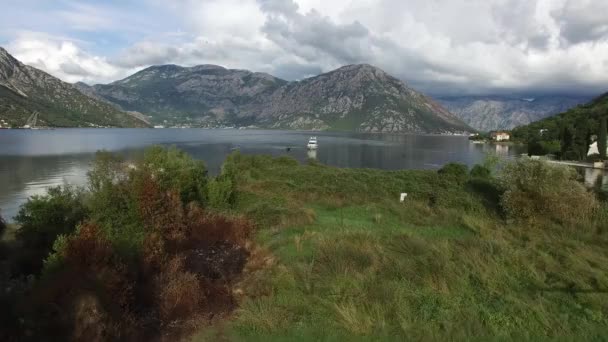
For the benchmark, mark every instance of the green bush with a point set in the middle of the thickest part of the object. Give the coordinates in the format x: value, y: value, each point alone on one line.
x: 539, y: 147
x: 119, y: 191
x: 175, y: 169
x: 454, y: 172
x: 54, y: 260
x: 113, y: 201
x: 551, y: 147
x: 480, y: 171
x: 535, y: 189
x: 43, y: 218
x: 221, y: 193
x: 108, y: 169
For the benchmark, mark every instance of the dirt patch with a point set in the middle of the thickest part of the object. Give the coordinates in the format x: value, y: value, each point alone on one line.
x: 223, y: 261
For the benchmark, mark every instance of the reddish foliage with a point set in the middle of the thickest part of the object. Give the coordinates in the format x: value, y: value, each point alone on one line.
x: 179, y: 293
x: 162, y: 211
x: 91, y: 296
x: 189, y: 261
x: 207, y: 229
x: 90, y: 255
x: 154, y: 253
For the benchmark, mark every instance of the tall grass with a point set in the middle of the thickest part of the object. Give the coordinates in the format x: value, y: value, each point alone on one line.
x: 350, y: 261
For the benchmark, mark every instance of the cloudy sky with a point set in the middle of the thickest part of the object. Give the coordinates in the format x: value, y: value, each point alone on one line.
x: 438, y: 46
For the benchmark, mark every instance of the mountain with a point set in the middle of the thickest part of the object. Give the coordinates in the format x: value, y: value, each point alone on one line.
x: 90, y: 92
x: 204, y: 93
x: 487, y: 113
x: 25, y: 90
x: 354, y: 97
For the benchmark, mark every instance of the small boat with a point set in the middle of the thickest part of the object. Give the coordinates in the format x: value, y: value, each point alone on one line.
x: 312, y: 143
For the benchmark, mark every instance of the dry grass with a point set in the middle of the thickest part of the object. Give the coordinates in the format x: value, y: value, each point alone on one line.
x: 179, y: 292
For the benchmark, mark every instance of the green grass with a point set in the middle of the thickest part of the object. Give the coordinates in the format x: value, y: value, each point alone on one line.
x: 351, y: 262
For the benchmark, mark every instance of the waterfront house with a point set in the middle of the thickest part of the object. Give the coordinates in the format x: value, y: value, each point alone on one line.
x: 500, y: 136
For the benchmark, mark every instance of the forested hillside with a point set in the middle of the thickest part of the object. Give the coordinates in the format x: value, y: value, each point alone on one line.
x: 567, y: 135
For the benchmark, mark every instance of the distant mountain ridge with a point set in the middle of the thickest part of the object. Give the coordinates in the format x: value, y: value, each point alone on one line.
x: 25, y: 90
x: 487, y: 113
x: 354, y: 97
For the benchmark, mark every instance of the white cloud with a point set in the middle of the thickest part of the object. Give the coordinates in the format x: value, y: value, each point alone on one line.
x: 440, y: 46
x: 64, y: 59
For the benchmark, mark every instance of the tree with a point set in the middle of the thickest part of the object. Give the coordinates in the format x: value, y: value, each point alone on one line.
x: 581, y: 139
x: 2, y: 226
x: 601, y: 142
x: 43, y: 219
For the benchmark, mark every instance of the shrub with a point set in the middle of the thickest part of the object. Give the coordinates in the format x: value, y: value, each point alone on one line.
x: 162, y: 212
x: 135, y: 254
x: 55, y: 259
x: 88, y: 292
x: 206, y: 229
x: 480, y: 171
x: 538, y: 189
x: 130, y: 201
x: 179, y: 292
x: 176, y: 170
x: 221, y: 193
x: 454, y: 172
x: 551, y: 147
x: 107, y: 169
x: 44, y: 218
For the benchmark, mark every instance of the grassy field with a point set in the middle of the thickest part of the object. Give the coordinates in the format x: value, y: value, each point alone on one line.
x: 340, y: 258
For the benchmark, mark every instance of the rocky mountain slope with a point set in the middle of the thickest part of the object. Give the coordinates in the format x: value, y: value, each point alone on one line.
x: 487, y: 113
x: 354, y: 97
x: 25, y: 90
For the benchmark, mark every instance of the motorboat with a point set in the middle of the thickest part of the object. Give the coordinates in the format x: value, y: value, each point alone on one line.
x: 312, y: 143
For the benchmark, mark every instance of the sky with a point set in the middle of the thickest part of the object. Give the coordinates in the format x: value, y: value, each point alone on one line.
x: 441, y: 47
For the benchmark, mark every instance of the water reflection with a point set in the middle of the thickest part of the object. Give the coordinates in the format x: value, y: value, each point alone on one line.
x: 596, y: 179
x: 502, y: 150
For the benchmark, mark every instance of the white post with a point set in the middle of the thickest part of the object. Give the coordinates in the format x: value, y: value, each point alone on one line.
x: 403, y: 196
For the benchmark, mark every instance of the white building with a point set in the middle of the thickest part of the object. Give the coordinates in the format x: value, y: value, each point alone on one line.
x: 593, y: 149
x: 500, y: 136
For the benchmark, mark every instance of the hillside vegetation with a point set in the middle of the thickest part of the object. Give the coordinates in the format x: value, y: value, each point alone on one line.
x: 567, y: 135
x: 25, y: 90
x: 274, y: 250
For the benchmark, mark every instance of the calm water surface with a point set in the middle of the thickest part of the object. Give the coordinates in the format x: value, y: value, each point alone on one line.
x: 32, y: 160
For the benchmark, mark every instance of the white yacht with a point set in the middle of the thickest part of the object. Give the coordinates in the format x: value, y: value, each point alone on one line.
x: 312, y: 143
